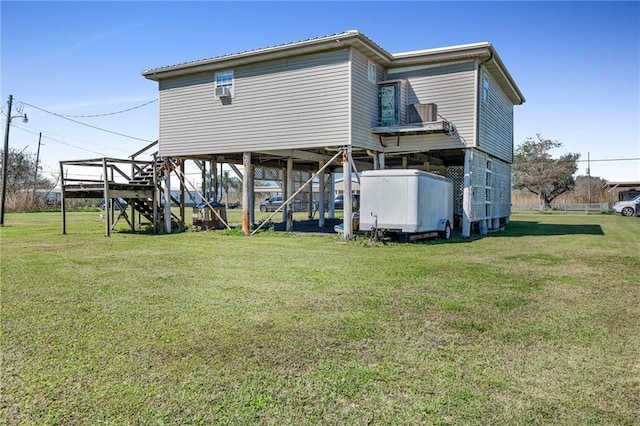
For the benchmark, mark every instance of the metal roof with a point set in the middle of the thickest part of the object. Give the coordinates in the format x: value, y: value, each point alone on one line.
x: 625, y: 184
x: 318, y: 44
x: 483, y: 52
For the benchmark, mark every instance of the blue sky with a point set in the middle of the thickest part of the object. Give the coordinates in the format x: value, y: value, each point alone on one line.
x: 577, y: 63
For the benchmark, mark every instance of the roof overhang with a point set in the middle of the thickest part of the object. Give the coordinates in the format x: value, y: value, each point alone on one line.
x: 483, y: 52
x: 628, y: 184
x: 344, y: 40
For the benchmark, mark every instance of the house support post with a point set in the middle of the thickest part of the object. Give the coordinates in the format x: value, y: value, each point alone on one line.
x: 167, y: 197
x: 133, y: 215
x: 112, y: 209
x: 220, y: 161
x: 347, y: 201
x: 310, y: 195
x: 156, y: 195
x: 107, y: 203
x: 289, y: 188
x: 405, y: 162
x: 321, y: 195
x: 283, y: 191
x: 483, y: 227
x: 381, y: 161
x: 203, y: 186
x: 214, y: 181
x: 182, y: 189
x: 466, y: 195
x: 246, y: 216
x: 252, y: 197
x: 332, y: 195
x: 62, y: 201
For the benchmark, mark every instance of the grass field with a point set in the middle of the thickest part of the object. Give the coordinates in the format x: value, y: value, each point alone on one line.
x: 538, y: 324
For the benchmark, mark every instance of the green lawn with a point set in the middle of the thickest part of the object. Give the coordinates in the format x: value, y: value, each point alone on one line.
x: 538, y: 324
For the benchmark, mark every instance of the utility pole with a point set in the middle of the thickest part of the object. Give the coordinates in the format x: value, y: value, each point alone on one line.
x: 5, y: 155
x: 35, y: 174
x: 589, y: 175
x: 5, y: 160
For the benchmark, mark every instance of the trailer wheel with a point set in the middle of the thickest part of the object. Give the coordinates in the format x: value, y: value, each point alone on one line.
x: 446, y: 234
x: 402, y: 237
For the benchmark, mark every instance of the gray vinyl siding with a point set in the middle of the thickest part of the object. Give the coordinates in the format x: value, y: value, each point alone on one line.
x: 364, y: 102
x: 293, y: 103
x: 495, y: 123
x: 453, y: 88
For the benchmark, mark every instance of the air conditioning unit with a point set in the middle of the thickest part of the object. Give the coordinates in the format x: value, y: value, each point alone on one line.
x: 223, y: 92
x: 422, y: 113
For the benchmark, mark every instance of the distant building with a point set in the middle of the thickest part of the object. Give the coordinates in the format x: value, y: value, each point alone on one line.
x: 339, y: 186
x: 625, y: 190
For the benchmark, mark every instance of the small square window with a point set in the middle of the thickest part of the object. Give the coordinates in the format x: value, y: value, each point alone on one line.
x: 371, y: 72
x: 224, y: 79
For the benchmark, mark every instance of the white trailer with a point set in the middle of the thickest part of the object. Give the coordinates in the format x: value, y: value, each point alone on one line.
x: 407, y: 203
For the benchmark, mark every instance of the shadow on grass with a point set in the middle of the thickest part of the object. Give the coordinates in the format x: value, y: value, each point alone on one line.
x: 517, y: 228
x: 521, y: 228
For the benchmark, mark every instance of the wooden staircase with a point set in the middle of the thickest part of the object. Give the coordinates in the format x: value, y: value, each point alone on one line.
x: 144, y: 206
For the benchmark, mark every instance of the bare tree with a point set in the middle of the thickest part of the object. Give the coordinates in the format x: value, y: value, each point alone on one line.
x: 22, y: 181
x: 590, y: 189
x: 538, y: 172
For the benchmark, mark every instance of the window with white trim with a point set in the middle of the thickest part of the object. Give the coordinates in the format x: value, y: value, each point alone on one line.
x: 485, y: 89
x: 389, y: 104
x: 224, y: 80
x: 371, y: 71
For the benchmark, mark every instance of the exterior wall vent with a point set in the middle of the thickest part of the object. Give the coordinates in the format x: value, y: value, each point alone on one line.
x: 422, y: 113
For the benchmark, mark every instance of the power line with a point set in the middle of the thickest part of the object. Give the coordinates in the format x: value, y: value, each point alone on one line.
x: 59, y: 141
x: 610, y: 159
x: 579, y: 161
x: 88, y: 125
x: 30, y: 129
x: 106, y: 113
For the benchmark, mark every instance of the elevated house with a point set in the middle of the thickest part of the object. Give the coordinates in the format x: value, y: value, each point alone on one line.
x: 301, y: 111
x: 292, y: 107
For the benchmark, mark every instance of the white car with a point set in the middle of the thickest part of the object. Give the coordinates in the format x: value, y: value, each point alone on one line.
x: 627, y: 208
